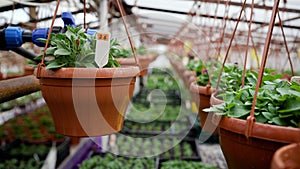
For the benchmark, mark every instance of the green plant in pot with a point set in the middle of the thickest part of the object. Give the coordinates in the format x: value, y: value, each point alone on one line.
x: 276, y: 113
x: 84, y: 100
x: 144, y: 58
x: 202, y: 89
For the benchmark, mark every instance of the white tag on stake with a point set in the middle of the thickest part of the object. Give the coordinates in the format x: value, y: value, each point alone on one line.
x: 102, y: 48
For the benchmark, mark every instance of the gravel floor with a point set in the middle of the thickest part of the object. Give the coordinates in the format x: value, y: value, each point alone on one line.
x: 212, y: 154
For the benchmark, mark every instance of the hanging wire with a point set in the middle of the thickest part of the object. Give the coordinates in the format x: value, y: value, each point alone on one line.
x: 122, y: 12
x: 251, y: 118
x: 84, y: 14
x: 222, y: 32
x: 213, y: 25
x: 285, y: 43
x: 247, y: 44
x: 49, y: 33
x: 230, y: 43
x: 177, y: 34
x: 293, y: 47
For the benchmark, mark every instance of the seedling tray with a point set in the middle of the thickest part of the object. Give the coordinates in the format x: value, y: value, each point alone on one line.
x: 7, y: 152
x: 164, y: 147
x: 112, y: 161
x: 187, y: 163
x: 156, y: 127
x: 172, y: 96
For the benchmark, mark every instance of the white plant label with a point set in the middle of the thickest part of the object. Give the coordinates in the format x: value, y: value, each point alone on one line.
x: 296, y: 79
x: 102, y: 48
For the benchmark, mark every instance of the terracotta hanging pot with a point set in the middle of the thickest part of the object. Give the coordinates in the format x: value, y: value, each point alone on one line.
x: 257, y: 150
x: 187, y: 74
x: 144, y: 61
x: 88, y: 101
x: 28, y: 70
x: 214, y: 100
x: 201, y: 96
x: 287, y: 157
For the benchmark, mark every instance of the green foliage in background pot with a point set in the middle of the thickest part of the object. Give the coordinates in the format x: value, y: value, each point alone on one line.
x: 141, y: 50
x: 231, y: 78
x: 203, y: 72
x: 75, y: 48
x: 186, y: 165
x: 126, y: 53
x: 278, y: 101
x: 110, y: 161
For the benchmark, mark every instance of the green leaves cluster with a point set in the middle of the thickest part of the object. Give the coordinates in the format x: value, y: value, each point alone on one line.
x: 163, y: 82
x: 110, y: 161
x: 231, y: 78
x: 75, y: 48
x: 278, y: 101
x: 203, y: 72
x: 126, y: 53
x: 182, y: 164
x: 22, y: 164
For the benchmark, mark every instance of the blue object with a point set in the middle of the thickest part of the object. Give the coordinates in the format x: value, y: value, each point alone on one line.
x: 91, y: 31
x: 39, y: 33
x: 68, y: 19
x: 13, y: 36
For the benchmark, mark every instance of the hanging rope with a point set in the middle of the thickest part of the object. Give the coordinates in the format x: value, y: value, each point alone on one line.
x: 293, y: 47
x: 84, y: 14
x: 251, y: 118
x: 247, y: 45
x: 285, y: 43
x: 122, y: 12
x: 222, y: 32
x: 230, y: 43
x: 49, y: 33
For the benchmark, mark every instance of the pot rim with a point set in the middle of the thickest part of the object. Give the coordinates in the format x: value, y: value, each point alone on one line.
x: 143, y: 61
x: 262, y: 131
x: 279, y: 154
x: 119, y: 72
x: 205, y: 90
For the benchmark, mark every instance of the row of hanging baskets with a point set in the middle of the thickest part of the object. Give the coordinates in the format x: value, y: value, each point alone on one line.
x: 255, y: 113
x: 84, y: 99
x: 258, y: 140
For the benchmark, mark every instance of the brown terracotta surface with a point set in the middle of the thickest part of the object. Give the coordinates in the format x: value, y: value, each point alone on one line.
x: 214, y: 100
x: 201, y: 96
x: 28, y: 70
x: 257, y: 150
x: 287, y: 157
x: 187, y: 74
x: 88, y: 101
x: 144, y: 61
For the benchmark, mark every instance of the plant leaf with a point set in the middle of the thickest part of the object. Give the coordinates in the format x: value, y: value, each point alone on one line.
x: 50, y: 50
x: 55, y: 65
x: 238, y: 111
x: 290, y: 106
x: 278, y: 121
x: 267, y: 115
x: 62, y: 52
x: 261, y: 119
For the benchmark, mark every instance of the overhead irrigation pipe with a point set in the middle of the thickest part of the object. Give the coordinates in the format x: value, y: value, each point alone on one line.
x: 13, y: 88
x: 25, y: 53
